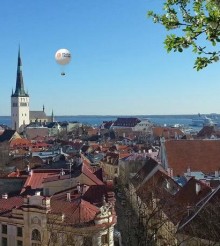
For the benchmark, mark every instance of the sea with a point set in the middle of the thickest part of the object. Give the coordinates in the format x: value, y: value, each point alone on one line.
x: 96, y: 120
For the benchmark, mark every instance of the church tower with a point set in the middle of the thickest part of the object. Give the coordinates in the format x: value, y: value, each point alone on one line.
x: 19, y: 101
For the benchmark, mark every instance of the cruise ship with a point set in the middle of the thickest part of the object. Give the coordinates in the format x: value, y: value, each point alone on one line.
x: 201, y: 121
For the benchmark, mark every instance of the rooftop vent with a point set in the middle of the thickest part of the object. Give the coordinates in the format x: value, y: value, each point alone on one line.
x: 68, y: 197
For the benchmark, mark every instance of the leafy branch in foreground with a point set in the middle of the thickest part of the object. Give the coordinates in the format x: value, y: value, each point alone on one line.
x: 196, y: 24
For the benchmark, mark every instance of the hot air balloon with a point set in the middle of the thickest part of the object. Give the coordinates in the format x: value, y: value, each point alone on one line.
x: 63, y: 57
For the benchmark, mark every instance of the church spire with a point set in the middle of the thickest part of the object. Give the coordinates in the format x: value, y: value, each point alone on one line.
x: 19, y: 90
x: 52, y: 116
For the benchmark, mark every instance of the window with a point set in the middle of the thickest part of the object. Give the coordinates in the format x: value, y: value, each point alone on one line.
x: 104, y: 239
x: 4, y: 241
x: 19, y: 243
x: 19, y: 232
x: 4, y: 229
x: 35, y: 235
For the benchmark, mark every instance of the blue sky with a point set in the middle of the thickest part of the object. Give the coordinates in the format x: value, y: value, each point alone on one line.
x: 119, y: 65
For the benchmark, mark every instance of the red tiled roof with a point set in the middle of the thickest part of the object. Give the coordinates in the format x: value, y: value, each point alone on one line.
x: 83, y: 169
x: 122, y: 147
x: 19, y: 141
x: 188, y: 195
x: 166, y: 132
x: 35, y: 180
x: 6, y: 205
x: 90, y: 175
x: 198, y: 155
x: 124, y: 155
x: 76, y: 212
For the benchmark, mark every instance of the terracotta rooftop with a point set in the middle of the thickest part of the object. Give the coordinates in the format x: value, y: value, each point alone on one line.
x: 75, y: 173
x: 6, y: 205
x: 167, y: 132
x: 77, y: 211
x: 90, y: 175
x: 198, y: 155
x: 36, y: 179
x: 20, y: 141
x: 192, y: 192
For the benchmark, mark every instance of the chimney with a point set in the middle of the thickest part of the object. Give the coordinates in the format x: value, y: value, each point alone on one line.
x: 198, y: 188
x: 5, y: 196
x: 216, y: 174
x: 68, y: 197
x: 28, y: 168
x: 31, y: 172
x: 104, y: 201
x: 176, y: 135
x: 62, y: 172
x: 46, y: 202
x: 171, y: 172
x: 188, y: 172
x: 37, y: 193
x: 84, y: 189
x: 78, y: 187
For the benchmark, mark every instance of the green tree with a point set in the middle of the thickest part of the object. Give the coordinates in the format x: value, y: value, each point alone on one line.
x: 193, y: 23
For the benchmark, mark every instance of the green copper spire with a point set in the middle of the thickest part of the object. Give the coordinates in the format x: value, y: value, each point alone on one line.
x: 19, y: 90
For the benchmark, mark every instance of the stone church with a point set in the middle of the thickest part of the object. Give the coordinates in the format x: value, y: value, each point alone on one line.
x: 20, y: 105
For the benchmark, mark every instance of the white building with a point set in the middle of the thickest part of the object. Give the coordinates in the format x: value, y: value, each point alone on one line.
x: 143, y: 126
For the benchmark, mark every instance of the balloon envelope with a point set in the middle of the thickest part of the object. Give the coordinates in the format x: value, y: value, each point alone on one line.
x: 63, y: 56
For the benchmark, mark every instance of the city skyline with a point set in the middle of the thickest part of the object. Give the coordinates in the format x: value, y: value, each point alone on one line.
x: 119, y: 65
